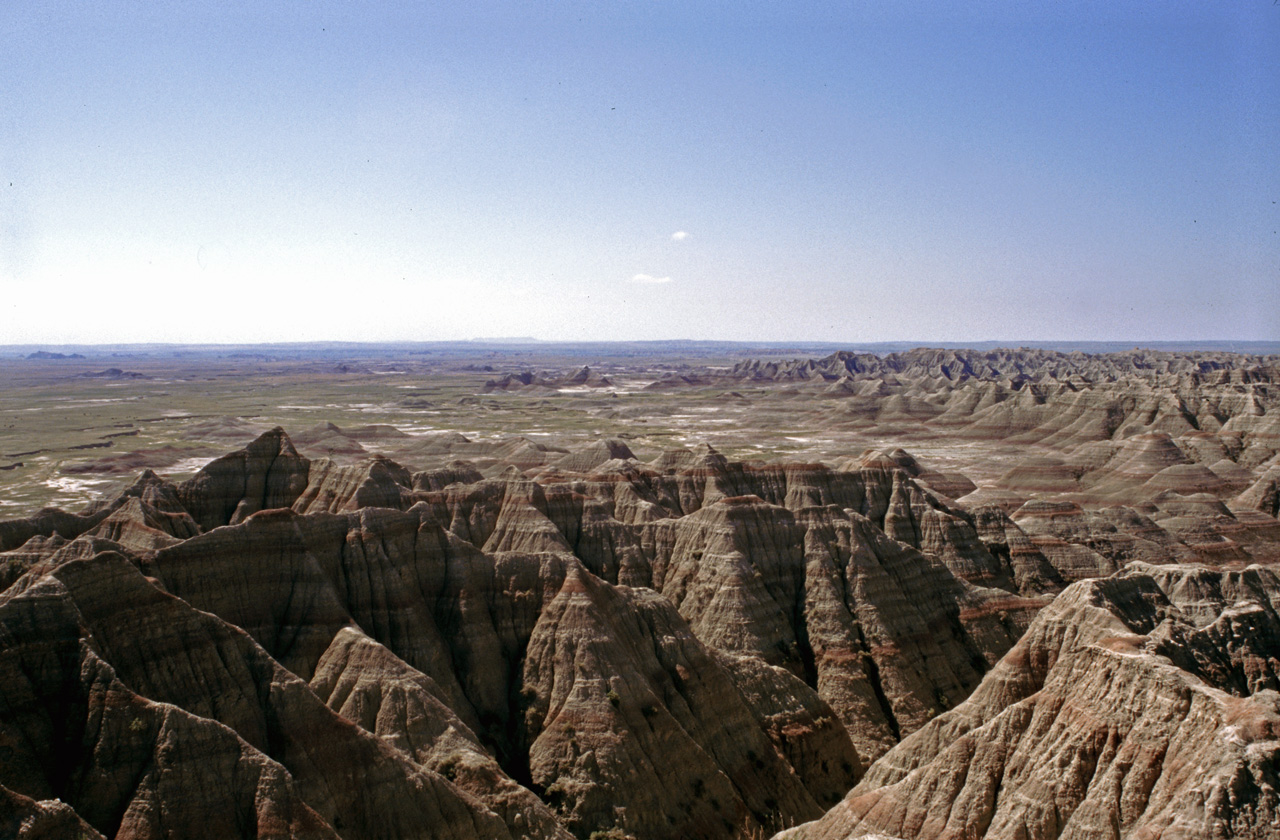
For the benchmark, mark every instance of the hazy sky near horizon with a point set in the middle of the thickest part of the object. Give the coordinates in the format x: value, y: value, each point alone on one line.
x: 295, y: 171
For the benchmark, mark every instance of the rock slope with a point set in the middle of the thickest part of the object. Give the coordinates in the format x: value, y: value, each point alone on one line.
x: 1145, y: 704
x: 293, y: 647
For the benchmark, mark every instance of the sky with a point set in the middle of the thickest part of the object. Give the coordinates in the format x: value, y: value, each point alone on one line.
x: 204, y: 171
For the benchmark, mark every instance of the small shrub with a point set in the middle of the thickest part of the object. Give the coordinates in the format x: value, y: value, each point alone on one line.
x: 614, y: 833
x: 449, y: 767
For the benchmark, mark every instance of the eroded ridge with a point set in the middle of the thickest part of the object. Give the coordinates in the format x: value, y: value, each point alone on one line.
x: 692, y: 646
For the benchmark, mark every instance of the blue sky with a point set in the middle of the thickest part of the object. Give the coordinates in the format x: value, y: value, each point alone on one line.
x: 839, y: 172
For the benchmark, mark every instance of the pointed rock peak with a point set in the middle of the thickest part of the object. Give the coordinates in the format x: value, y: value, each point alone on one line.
x: 593, y: 455
x: 737, y: 509
x: 266, y: 447
x: 269, y: 444
x: 616, y: 466
x: 577, y: 579
x: 905, y: 460
x: 268, y: 473
x: 155, y: 490
x: 379, y: 460
x: 383, y: 468
x: 617, y: 448
x: 673, y: 459
x: 1149, y: 452
x: 709, y: 458
x: 1263, y: 494
x: 279, y: 439
x: 1186, y: 479
x: 522, y: 524
x: 874, y: 459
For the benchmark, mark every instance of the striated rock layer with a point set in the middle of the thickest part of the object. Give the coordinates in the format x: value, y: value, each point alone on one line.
x: 693, y: 647
x: 1145, y: 704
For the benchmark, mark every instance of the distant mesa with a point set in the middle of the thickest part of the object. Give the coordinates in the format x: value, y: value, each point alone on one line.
x: 112, y: 373
x: 47, y: 355
x: 1015, y: 367
x: 518, y: 339
x: 583, y: 377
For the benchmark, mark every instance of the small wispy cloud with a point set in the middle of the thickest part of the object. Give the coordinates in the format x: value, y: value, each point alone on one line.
x: 680, y: 235
x: 646, y: 278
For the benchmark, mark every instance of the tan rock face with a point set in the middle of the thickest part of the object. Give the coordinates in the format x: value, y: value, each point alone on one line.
x: 128, y: 766
x: 694, y: 647
x: 268, y: 473
x: 486, y: 691
x: 373, y: 688
x: 1139, y: 705
x: 633, y: 723
x: 1263, y: 495
x: 23, y: 818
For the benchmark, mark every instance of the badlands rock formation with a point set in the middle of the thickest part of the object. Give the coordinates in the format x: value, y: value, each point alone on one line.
x: 360, y: 632
x: 1214, y: 405
x: 1140, y: 705
x: 703, y: 650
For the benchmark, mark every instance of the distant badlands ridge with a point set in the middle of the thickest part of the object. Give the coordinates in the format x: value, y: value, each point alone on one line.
x: 1120, y: 427
x: 510, y: 639
x: 959, y: 365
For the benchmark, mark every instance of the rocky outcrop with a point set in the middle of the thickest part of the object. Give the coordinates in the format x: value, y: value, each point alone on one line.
x: 583, y: 377
x: 378, y: 482
x: 592, y: 456
x: 23, y: 818
x: 47, y: 523
x: 373, y: 688
x: 437, y: 674
x: 632, y: 723
x: 1208, y: 402
x: 1263, y: 495
x: 228, y: 687
x: 1016, y: 366
x: 147, y: 516
x: 1133, y: 707
x: 150, y: 503
x: 128, y: 766
x: 693, y: 647
x: 268, y: 473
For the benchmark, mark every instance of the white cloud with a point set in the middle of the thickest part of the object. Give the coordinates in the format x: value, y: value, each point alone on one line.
x: 645, y: 278
x: 680, y: 235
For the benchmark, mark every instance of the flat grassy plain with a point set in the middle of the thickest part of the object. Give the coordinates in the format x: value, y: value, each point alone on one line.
x: 74, y: 428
